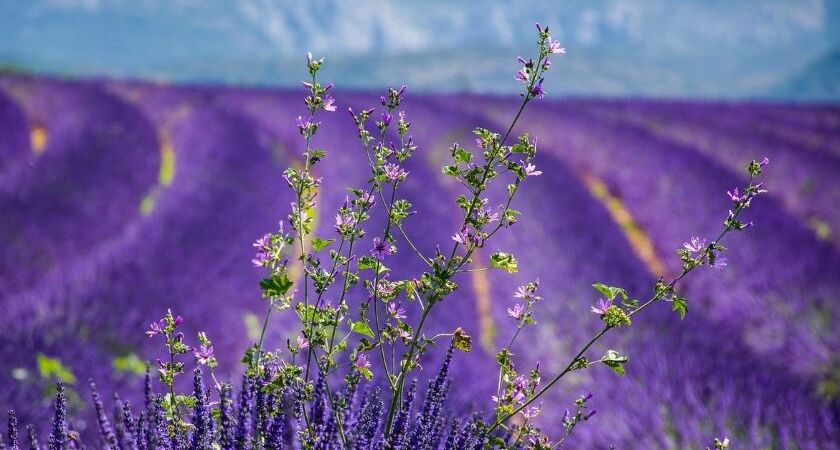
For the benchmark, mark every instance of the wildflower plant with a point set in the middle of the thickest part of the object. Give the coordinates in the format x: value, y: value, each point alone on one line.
x: 354, y: 320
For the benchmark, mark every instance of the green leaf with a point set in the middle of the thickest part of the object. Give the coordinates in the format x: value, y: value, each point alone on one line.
x: 276, y: 285
x: 52, y: 367
x: 367, y: 262
x: 615, y: 361
x: 461, y: 340
x: 504, y: 261
x: 129, y: 363
x: 450, y: 171
x: 365, y: 372
x: 462, y: 155
x: 361, y: 328
x: 680, y: 306
x: 610, y: 292
x: 319, y: 244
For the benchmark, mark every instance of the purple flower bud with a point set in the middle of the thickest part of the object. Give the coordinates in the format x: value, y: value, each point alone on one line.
x: 537, y: 90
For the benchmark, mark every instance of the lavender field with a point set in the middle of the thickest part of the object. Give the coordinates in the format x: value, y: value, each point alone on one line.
x: 119, y: 200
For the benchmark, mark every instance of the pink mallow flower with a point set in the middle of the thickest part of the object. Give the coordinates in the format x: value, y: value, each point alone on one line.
x: 531, y: 170
x: 601, y: 308
x: 695, y: 245
x: 516, y: 312
x: 396, y: 312
x: 329, y: 103
x: 554, y: 46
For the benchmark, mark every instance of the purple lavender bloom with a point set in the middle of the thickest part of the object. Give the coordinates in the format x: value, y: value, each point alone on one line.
x: 243, y: 422
x: 428, y: 426
x: 105, y: 430
x: 227, y: 421
x: 59, y: 429
x: 201, y: 420
x: 386, y: 118
x: 33, y: 438
x: 12, y: 431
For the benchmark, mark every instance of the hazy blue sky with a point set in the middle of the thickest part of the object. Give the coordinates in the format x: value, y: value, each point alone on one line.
x: 709, y: 48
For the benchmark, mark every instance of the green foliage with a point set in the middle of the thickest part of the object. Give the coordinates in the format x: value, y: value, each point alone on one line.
x: 680, y: 305
x: 616, y: 317
x: 504, y: 261
x: 615, y: 361
x: 53, y: 369
x: 319, y: 244
x: 362, y: 328
x: 276, y: 285
x: 461, y: 340
x: 129, y: 363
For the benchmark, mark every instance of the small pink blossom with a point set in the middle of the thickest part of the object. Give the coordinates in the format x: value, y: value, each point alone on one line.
x: 516, y: 312
x: 553, y: 46
x: 601, y: 308
x: 531, y: 170
x: 522, y: 76
x: 396, y: 312
x: 329, y: 103
x: 155, y: 328
x: 695, y: 245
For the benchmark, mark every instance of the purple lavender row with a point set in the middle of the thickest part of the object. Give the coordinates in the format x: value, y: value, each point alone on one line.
x: 806, y: 186
x: 796, y: 280
x: 584, y: 245
x: 815, y: 128
x: 54, y: 207
x: 14, y: 145
x: 195, y: 232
